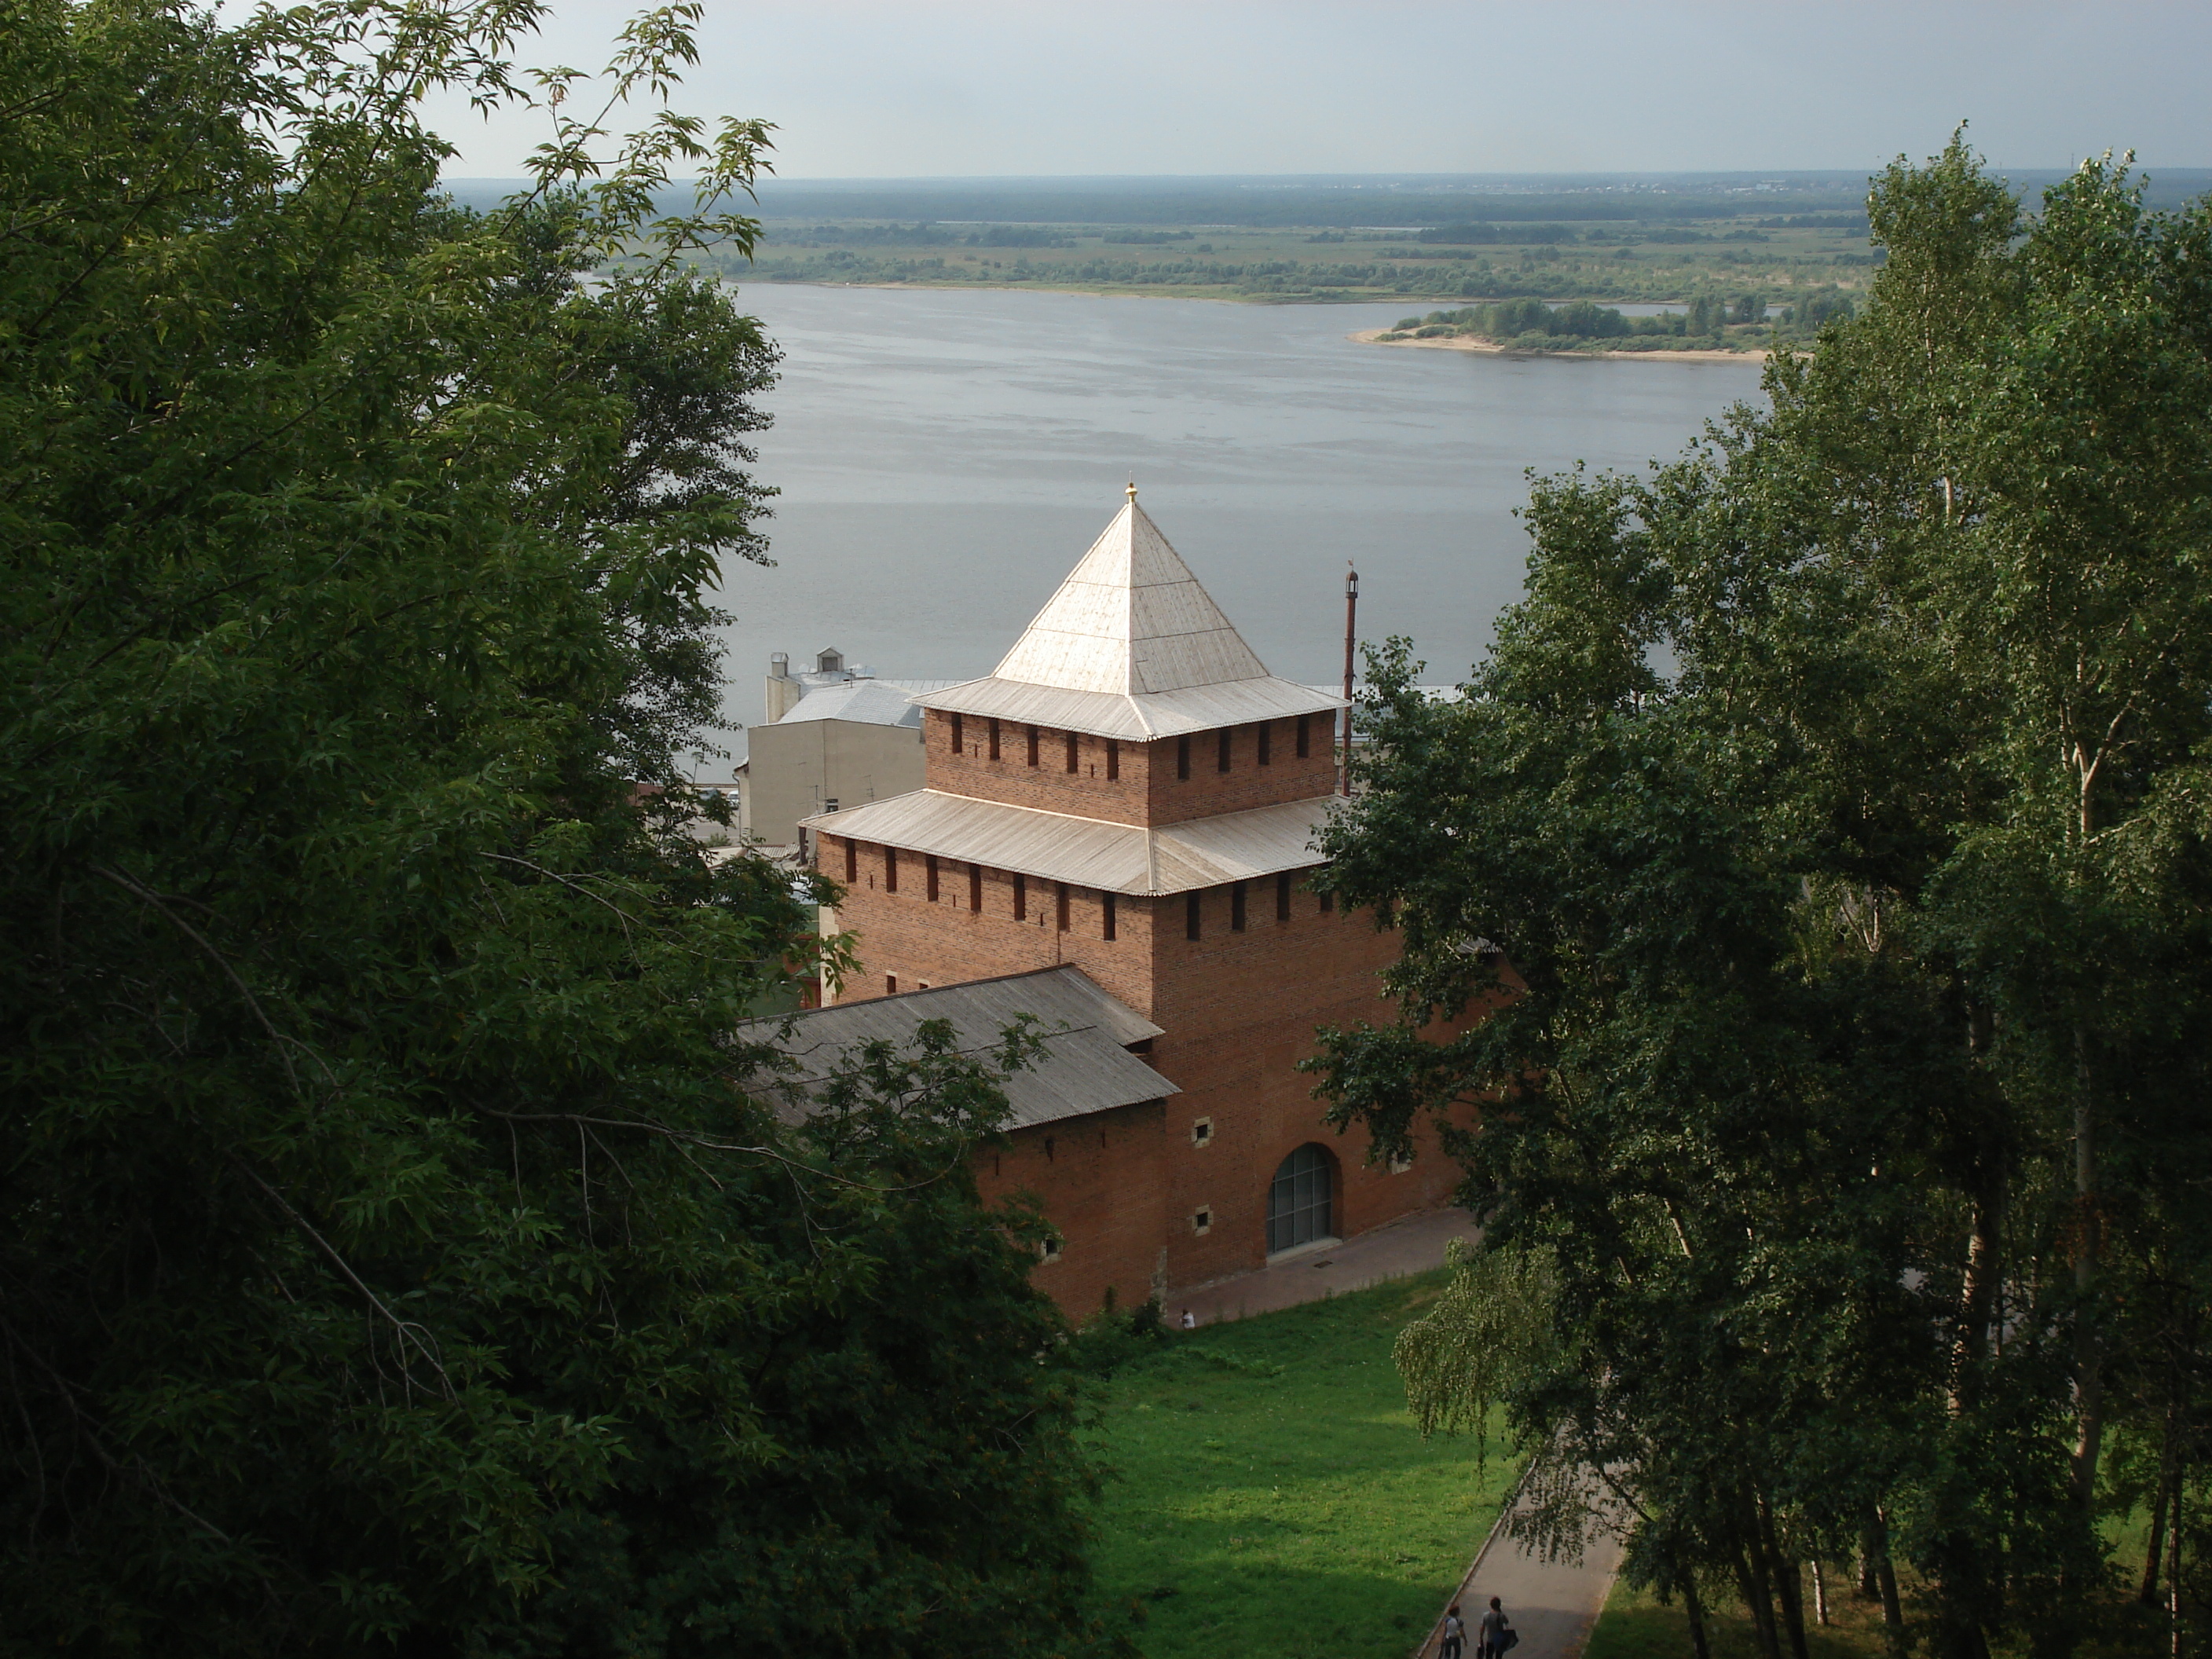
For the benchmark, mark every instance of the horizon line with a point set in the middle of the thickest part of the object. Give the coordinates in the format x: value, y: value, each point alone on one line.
x: 1203, y: 178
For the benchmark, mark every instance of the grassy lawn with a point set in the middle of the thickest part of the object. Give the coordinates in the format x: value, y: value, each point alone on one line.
x: 1271, y: 1490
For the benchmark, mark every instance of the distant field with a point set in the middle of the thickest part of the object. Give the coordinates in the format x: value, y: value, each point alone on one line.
x: 1780, y: 237
x: 1677, y: 260
x: 1271, y: 1493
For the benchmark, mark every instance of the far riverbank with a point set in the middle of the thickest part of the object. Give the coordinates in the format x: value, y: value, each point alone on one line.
x: 944, y: 455
x: 1374, y: 337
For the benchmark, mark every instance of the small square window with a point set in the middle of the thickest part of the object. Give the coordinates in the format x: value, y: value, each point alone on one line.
x: 1401, y: 1164
x: 1202, y: 1221
x: 1201, y: 1132
x: 1048, y: 1250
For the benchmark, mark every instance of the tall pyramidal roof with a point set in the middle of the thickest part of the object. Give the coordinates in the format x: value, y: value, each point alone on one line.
x: 1131, y: 646
x: 1130, y: 619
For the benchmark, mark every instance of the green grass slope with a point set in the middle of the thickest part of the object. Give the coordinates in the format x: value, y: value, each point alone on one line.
x: 1272, y: 1492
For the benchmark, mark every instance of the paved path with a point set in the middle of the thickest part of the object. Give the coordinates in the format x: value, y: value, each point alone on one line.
x: 1553, y: 1604
x: 1411, y: 1246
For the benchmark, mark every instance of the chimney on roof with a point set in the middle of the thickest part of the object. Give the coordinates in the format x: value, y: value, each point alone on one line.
x: 783, y: 692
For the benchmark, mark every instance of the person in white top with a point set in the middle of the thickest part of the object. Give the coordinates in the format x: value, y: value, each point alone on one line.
x: 1190, y: 1323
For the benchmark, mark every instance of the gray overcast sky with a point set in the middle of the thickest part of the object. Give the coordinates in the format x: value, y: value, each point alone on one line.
x: 874, y: 89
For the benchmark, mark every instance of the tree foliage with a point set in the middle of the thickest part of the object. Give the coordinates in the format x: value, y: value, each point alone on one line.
x: 1838, y: 793
x: 394, y: 1257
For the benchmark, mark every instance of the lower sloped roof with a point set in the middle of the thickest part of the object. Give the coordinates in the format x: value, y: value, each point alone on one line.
x: 1117, y: 858
x: 1085, y: 1066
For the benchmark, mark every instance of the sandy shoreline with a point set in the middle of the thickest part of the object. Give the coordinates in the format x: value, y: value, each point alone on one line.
x: 1373, y: 337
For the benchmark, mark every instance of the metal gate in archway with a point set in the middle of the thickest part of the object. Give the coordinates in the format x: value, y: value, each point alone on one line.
x: 1299, y: 1202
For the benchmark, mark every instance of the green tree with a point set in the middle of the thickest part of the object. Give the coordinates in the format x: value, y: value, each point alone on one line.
x: 1836, y: 796
x: 399, y: 1254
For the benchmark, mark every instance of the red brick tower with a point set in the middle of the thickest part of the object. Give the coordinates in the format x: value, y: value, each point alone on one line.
x: 1131, y: 792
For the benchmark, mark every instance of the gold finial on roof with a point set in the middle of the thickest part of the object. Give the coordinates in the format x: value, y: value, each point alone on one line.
x: 1133, y: 490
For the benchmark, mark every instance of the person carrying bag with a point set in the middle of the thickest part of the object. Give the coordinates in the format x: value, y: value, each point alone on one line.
x: 1497, y: 1636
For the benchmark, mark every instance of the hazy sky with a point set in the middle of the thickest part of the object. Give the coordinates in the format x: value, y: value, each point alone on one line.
x: 878, y: 89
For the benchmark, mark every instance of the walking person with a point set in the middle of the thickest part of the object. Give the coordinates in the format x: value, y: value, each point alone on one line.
x: 1496, y: 1635
x: 1454, y: 1634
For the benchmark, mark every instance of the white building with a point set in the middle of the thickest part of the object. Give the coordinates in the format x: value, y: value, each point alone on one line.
x: 835, y: 737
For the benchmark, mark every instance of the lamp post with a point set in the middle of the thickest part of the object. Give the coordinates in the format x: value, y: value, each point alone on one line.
x: 1351, y: 633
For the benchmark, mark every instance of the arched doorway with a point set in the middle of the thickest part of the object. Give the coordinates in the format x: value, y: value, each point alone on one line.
x: 1301, y: 1203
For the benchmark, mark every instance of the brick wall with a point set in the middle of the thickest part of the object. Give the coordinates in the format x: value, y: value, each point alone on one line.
x: 1087, y: 792
x: 1148, y: 788
x: 904, y: 935
x: 1240, y: 1009
x: 1097, y: 1178
x: 1172, y: 799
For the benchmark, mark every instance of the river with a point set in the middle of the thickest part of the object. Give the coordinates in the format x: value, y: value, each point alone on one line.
x: 946, y: 455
